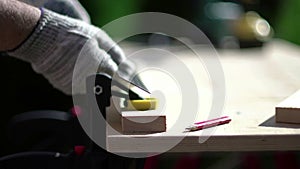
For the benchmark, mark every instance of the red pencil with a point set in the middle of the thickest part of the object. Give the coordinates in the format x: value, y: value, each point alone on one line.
x: 209, y: 123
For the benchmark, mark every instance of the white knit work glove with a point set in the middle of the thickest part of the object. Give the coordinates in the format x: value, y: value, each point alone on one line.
x: 55, y: 44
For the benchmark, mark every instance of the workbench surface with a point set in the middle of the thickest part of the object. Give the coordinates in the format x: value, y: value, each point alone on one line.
x: 256, y: 81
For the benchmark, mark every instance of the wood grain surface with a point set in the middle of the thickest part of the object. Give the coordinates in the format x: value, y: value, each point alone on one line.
x: 256, y: 80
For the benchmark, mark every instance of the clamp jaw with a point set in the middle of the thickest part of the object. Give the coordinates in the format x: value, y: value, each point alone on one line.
x: 99, y: 89
x: 99, y: 92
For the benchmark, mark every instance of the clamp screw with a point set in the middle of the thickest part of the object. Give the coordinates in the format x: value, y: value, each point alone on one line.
x: 98, y: 90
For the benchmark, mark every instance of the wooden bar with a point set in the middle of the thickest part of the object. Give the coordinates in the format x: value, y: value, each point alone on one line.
x: 288, y: 111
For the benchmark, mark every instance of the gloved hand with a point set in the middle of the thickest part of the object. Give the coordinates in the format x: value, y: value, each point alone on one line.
x: 57, y: 41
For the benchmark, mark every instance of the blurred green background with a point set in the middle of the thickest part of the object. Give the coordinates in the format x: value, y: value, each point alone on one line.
x: 282, y: 16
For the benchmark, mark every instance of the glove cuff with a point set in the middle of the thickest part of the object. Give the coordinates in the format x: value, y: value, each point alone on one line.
x: 49, y: 33
x: 54, y: 46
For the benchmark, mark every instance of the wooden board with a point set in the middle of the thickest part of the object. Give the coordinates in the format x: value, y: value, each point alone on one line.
x: 150, y: 121
x: 256, y: 81
x: 288, y: 111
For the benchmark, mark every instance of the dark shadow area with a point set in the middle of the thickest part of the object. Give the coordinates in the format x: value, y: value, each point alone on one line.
x: 271, y: 122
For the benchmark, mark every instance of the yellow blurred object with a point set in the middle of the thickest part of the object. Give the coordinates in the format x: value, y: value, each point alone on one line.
x: 252, y: 27
x: 142, y: 105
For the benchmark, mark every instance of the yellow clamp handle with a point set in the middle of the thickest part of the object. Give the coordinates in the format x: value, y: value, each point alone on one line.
x: 142, y: 105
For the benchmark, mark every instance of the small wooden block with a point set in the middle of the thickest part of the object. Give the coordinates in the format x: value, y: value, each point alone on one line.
x: 288, y: 111
x: 150, y: 121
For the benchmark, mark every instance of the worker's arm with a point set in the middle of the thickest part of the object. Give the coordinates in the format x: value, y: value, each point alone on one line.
x: 63, y: 49
x: 17, y: 21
